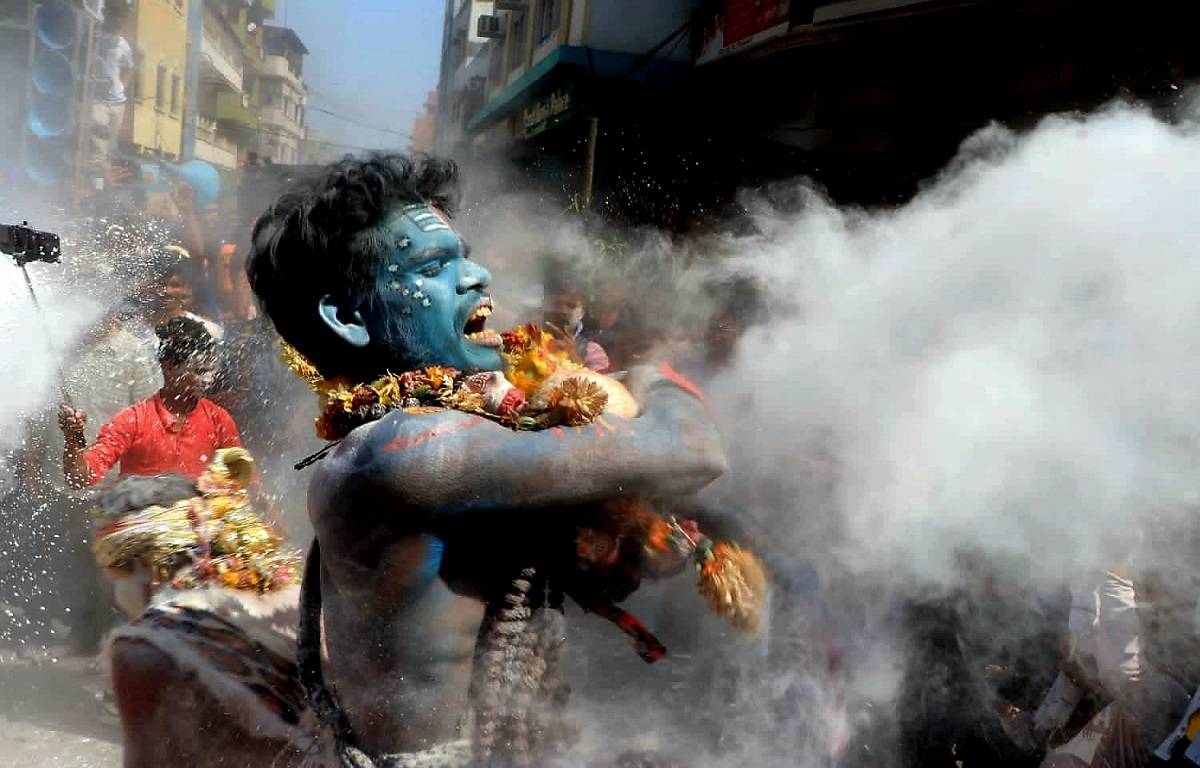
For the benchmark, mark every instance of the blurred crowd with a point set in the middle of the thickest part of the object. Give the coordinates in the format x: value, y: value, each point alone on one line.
x: 159, y: 253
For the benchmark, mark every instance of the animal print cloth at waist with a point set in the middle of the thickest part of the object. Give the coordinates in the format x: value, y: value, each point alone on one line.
x: 456, y: 754
x: 270, y: 677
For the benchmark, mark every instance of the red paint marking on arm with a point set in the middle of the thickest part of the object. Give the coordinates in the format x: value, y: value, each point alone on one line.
x: 681, y: 381
x: 599, y: 430
x: 404, y: 442
x: 557, y: 432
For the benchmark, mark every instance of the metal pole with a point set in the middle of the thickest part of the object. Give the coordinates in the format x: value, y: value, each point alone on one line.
x: 62, y: 379
x: 590, y: 169
x: 84, y: 124
x: 191, y: 83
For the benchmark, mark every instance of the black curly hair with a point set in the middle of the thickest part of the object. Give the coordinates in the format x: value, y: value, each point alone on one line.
x: 182, y: 338
x: 324, y: 237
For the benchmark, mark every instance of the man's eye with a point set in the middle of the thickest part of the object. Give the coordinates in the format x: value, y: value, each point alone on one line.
x: 432, y: 270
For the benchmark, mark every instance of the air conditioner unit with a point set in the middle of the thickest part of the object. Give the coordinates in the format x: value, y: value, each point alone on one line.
x: 490, y: 26
x: 511, y: 5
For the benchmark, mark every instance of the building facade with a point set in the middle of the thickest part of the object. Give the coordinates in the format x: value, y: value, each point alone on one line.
x: 281, y: 96
x: 463, y: 75
x: 872, y: 97
x: 556, y: 80
x: 222, y: 75
x: 160, y: 45
x: 545, y: 62
x: 668, y: 108
x: 226, y: 49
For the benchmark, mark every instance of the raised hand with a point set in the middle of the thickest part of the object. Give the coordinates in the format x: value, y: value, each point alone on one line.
x: 71, y: 421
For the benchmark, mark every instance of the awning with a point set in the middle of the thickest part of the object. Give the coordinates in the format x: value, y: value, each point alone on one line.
x: 569, y: 62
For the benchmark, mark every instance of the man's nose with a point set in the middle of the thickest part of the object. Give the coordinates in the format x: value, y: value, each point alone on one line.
x: 473, y: 277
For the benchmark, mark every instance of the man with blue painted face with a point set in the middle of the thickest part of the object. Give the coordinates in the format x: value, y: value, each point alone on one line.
x: 420, y: 515
x: 425, y: 519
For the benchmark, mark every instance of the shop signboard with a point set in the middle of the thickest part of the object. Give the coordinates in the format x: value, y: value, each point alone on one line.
x: 736, y: 25
x: 552, y: 109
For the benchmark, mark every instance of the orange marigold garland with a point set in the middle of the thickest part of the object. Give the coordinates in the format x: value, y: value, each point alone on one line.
x: 531, y: 355
x: 731, y: 579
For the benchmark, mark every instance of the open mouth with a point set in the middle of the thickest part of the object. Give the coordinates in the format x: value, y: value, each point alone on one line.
x: 474, y: 330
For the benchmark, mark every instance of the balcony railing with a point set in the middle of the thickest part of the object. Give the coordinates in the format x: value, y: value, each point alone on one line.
x: 277, y: 66
x: 230, y: 109
x: 221, y: 57
x: 275, y: 116
x: 216, y: 150
x: 206, y: 126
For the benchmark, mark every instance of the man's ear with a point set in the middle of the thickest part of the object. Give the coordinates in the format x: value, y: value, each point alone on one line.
x: 344, y: 318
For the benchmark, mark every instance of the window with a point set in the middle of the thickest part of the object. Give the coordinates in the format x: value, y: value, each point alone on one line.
x: 174, y: 94
x: 516, y: 42
x: 160, y: 88
x: 549, y: 15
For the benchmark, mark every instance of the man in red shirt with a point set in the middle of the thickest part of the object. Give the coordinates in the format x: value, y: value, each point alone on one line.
x: 177, y: 430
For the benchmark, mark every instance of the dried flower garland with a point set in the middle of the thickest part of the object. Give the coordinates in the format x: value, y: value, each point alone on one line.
x: 214, y: 537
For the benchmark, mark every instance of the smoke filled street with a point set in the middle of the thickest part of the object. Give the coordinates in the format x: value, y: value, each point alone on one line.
x: 624, y: 384
x: 52, y: 716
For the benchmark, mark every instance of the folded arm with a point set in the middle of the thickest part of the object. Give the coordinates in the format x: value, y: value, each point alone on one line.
x: 451, y: 463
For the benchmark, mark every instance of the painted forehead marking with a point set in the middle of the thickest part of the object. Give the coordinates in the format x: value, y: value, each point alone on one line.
x: 426, y: 219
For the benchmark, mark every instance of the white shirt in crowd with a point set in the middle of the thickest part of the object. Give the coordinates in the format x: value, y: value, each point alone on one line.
x: 113, y: 55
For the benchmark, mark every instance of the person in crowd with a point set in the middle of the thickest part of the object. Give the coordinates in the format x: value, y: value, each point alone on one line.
x: 113, y: 66
x: 177, y: 430
x: 210, y: 248
x: 170, y: 293
x: 1108, y: 661
x: 109, y: 369
x: 564, y: 314
x: 609, y: 321
x: 738, y: 306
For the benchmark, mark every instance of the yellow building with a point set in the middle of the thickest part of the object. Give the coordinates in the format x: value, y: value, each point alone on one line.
x: 158, y: 100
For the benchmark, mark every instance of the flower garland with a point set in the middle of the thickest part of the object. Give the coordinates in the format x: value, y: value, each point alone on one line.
x: 631, y: 538
x: 530, y: 356
x: 213, y: 537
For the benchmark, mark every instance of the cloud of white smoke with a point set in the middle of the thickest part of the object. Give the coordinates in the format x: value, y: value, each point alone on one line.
x: 1006, y: 363
x: 1001, y: 371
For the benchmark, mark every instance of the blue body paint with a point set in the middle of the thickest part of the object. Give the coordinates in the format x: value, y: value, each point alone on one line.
x: 431, y: 564
x: 427, y: 291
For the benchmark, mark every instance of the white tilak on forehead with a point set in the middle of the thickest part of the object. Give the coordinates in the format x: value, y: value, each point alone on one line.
x: 425, y: 218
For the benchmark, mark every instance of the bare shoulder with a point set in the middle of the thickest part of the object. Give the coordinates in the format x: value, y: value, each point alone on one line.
x: 405, y: 438
x: 397, y: 459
